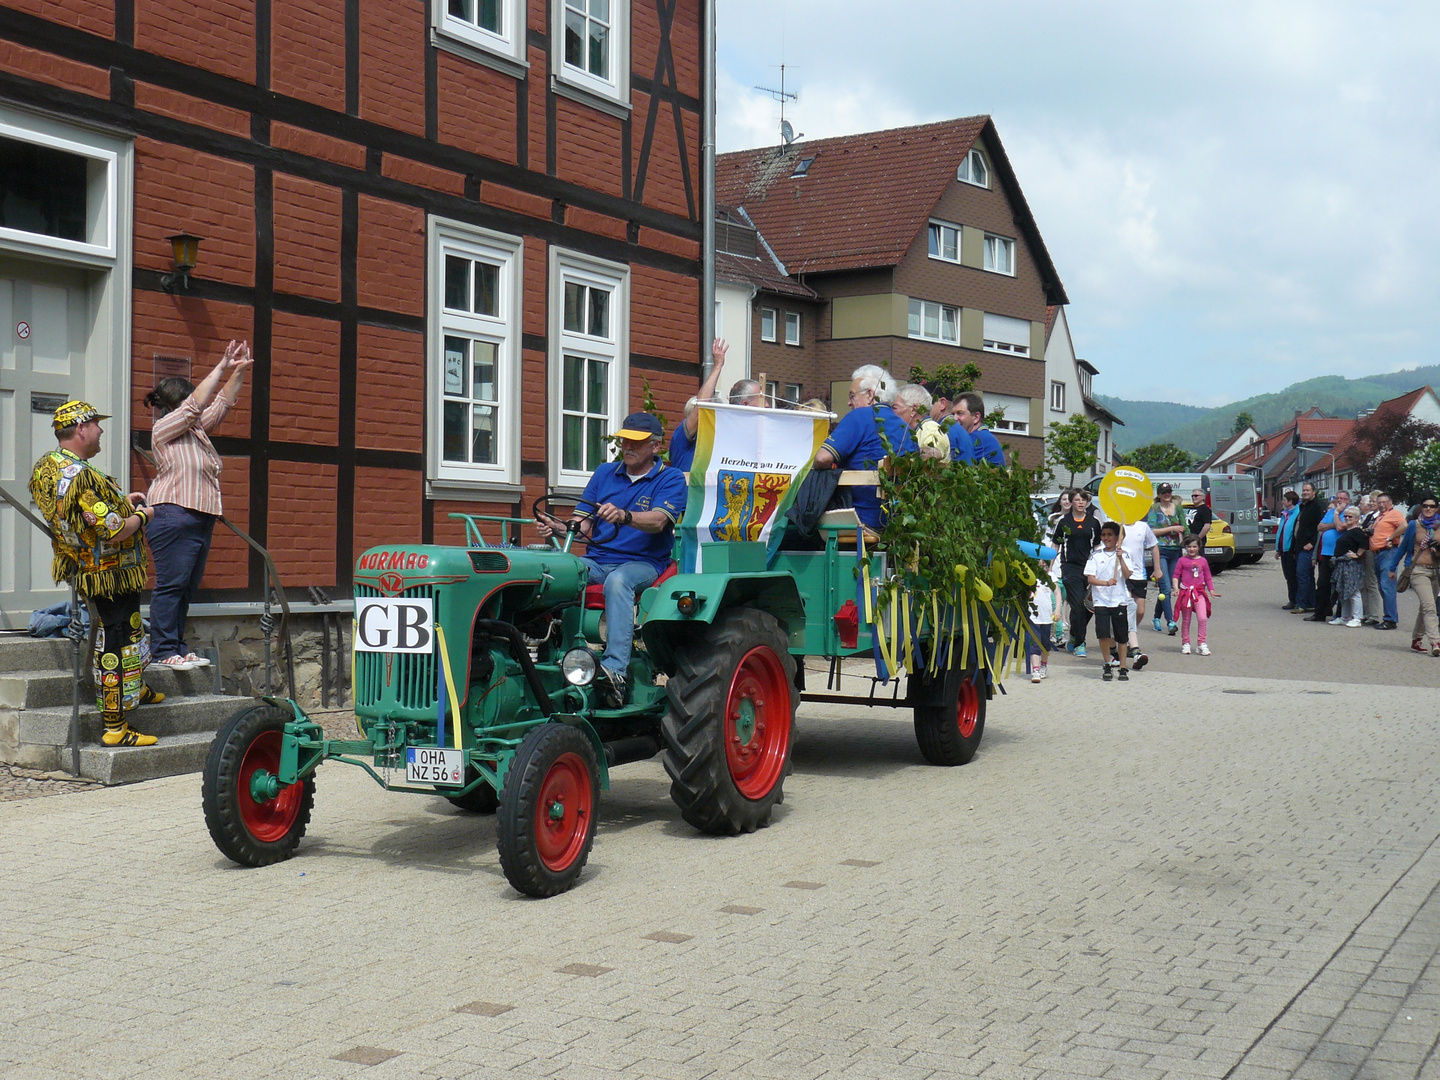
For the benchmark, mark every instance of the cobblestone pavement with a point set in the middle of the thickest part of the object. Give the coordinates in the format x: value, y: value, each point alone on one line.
x: 1195, y: 874
x: 17, y: 783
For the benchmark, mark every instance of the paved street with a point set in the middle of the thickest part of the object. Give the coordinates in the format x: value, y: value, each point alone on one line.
x: 1203, y: 873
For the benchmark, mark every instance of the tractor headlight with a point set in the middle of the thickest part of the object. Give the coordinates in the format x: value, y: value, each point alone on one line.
x: 579, y: 667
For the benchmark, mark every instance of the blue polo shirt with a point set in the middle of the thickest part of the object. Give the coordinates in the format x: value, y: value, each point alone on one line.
x: 682, y: 449
x: 962, y: 446
x: 662, y: 488
x: 1327, y: 540
x: 985, y: 447
x: 856, y: 444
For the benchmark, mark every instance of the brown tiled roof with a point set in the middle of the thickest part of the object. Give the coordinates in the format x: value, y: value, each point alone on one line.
x: 1051, y: 310
x: 866, y: 197
x: 1344, y: 447
x: 760, y: 272
x: 1322, y: 432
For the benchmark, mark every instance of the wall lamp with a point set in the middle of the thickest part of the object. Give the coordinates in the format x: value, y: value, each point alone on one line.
x: 185, y: 249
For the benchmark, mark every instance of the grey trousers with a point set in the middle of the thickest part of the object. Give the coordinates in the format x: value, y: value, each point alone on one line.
x: 1374, y: 608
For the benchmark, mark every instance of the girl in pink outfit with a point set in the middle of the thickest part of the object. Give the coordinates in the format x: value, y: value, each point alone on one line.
x: 1194, y: 588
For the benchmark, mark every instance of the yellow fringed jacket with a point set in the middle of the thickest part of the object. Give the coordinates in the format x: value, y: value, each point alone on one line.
x: 86, y: 509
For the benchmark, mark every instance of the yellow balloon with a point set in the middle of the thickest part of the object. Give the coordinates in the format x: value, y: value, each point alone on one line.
x: 1126, y: 495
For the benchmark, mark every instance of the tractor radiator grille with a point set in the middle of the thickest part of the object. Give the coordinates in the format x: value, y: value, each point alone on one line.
x: 399, y: 680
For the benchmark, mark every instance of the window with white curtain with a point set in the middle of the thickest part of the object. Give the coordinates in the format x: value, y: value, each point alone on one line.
x: 934, y: 322
x: 944, y: 241
x: 1006, y: 335
x: 999, y: 255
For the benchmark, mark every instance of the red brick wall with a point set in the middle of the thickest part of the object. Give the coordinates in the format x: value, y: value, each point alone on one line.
x: 307, y: 237
x: 185, y: 326
x: 476, y: 108
x: 181, y: 189
x: 218, y: 35
x: 587, y: 148
x: 92, y: 16
x: 388, y: 509
x: 391, y: 270
x: 664, y: 314
x: 392, y: 63
x: 390, y: 392
x: 302, y: 521
x: 307, y: 50
x: 304, y: 379
x: 229, y: 564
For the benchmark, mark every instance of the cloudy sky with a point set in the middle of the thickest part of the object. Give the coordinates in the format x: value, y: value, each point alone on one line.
x: 1237, y: 196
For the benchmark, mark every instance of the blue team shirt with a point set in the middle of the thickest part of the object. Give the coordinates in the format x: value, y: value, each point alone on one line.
x: 662, y: 488
x: 682, y: 449
x: 856, y: 444
x: 1327, y: 541
x: 985, y: 447
x: 962, y: 446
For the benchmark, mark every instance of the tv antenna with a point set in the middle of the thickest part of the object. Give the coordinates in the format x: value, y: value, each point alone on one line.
x: 787, y: 133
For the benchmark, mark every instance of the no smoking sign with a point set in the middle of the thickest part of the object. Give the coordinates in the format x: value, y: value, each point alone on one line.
x: 22, y: 330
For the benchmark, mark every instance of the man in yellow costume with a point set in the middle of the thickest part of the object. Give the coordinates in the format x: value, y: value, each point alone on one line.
x: 98, y: 536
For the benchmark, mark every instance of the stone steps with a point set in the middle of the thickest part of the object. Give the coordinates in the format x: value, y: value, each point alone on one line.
x: 36, y: 696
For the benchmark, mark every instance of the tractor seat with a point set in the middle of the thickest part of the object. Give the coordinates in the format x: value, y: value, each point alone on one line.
x: 595, y: 594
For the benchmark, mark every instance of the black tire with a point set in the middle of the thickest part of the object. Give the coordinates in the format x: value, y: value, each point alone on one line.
x: 950, y: 725
x: 248, y: 832
x: 483, y: 800
x: 737, y: 677
x: 554, y: 765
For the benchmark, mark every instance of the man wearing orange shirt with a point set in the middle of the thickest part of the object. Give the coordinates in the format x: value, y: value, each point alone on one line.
x: 1385, y: 546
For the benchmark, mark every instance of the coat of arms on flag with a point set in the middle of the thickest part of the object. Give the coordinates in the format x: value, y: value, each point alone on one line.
x: 748, y: 465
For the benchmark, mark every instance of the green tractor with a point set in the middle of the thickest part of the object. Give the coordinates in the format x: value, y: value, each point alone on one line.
x: 474, y: 680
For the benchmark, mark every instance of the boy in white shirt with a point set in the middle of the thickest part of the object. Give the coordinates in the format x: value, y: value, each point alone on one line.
x: 1107, y: 572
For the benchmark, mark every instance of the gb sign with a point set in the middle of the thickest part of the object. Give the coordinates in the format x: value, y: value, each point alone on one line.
x: 392, y: 625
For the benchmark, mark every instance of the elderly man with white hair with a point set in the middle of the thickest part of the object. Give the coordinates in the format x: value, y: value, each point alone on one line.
x: 855, y: 443
x: 886, y: 384
x: 912, y: 404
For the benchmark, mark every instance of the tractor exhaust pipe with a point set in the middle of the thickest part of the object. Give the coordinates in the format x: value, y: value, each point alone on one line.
x: 624, y: 751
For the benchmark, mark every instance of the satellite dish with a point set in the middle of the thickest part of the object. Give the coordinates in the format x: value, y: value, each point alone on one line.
x: 787, y: 133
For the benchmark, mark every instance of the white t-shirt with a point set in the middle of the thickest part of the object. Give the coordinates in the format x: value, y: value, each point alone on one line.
x: 1139, y: 538
x: 1103, y: 565
x: 1043, y: 603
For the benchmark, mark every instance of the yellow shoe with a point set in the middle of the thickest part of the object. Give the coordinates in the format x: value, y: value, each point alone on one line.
x: 150, y: 697
x: 126, y: 737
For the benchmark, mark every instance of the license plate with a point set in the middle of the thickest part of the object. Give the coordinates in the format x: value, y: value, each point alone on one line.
x: 431, y: 765
x: 1208, y: 551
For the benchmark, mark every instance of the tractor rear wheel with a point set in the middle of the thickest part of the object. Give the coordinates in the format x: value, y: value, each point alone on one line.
x: 731, y: 723
x: 949, y: 732
x: 548, y: 810
x: 253, y: 820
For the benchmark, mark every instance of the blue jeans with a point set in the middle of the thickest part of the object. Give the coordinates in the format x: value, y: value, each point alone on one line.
x: 622, y: 581
x: 180, y: 542
x: 1165, y: 609
x: 1305, y: 575
x: 1386, y: 562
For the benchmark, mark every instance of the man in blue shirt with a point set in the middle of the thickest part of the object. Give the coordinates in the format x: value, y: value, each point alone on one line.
x: 982, y: 444
x: 1331, y: 525
x: 855, y: 444
x: 631, y: 507
x: 682, y: 442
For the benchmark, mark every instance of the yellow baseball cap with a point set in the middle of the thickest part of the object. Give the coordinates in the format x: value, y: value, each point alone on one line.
x: 639, y: 425
x: 75, y: 413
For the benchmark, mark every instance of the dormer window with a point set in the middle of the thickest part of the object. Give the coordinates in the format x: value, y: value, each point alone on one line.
x: 802, y: 167
x: 973, y: 170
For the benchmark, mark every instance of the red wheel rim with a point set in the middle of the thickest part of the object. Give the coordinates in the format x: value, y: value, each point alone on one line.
x: 757, y: 723
x: 562, y: 814
x: 271, y: 820
x: 967, y: 709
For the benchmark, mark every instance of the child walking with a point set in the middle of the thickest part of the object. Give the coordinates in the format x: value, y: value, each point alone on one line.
x: 1194, y: 588
x: 1106, y: 572
x: 1042, y: 603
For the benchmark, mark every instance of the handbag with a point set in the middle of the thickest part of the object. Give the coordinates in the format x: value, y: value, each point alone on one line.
x: 1402, y: 580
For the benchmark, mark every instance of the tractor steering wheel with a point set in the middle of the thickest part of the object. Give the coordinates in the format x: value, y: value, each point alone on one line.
x: 598, y: 533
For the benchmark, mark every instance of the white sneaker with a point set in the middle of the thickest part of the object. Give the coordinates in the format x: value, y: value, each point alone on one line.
x: 1044, y: 671
x: 1204, y: 649
x: 198, y: 661
x: 1185, y: 649
x: 1335, y: 621
x: 1035, y: 675
x: 175, y: 663
x: 1353, y: 622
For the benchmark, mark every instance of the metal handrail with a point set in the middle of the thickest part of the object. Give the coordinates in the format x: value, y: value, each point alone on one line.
x: 267, y: 623
x: 75, y: 637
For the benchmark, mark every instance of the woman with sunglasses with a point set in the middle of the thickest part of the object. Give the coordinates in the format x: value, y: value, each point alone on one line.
x: 1421, y: 551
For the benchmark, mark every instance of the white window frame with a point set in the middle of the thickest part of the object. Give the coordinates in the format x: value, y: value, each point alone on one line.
x: 505, y: 50
x: 968, y: 166
x: 1010, y: 348
x: 576, y: 266
x: 943, y: 226
x: 767, y: 313
x: 1057, y: 395
x: 1014, y: 427
x: 102, y: 193
x: 995, y: 243
x: 609, y: 93
x: 792, y: 318
x: 939, y: 339
x: 452, y: 479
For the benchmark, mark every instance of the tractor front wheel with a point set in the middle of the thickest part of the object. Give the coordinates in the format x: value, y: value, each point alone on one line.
x: 949, y: 732
x: 731, y: 723
x: 253, y: 819
x: 548, y: 810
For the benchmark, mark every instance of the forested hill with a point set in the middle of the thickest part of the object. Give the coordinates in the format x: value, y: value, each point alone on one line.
x: 1198, y: 430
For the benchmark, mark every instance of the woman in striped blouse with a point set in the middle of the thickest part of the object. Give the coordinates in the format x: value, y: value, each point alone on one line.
x: 186, y: 496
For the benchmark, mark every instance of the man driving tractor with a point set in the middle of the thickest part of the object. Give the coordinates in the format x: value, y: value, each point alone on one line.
x: 641, y: 498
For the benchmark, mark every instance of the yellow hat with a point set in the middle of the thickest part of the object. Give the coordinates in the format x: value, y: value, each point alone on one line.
x: 75, y: 413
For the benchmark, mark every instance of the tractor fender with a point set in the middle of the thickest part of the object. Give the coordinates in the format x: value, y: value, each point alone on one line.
x: 575, y: 720
x: 772, y: 591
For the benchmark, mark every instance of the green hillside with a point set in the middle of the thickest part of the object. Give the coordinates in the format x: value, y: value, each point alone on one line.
x: 1198, y: 430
